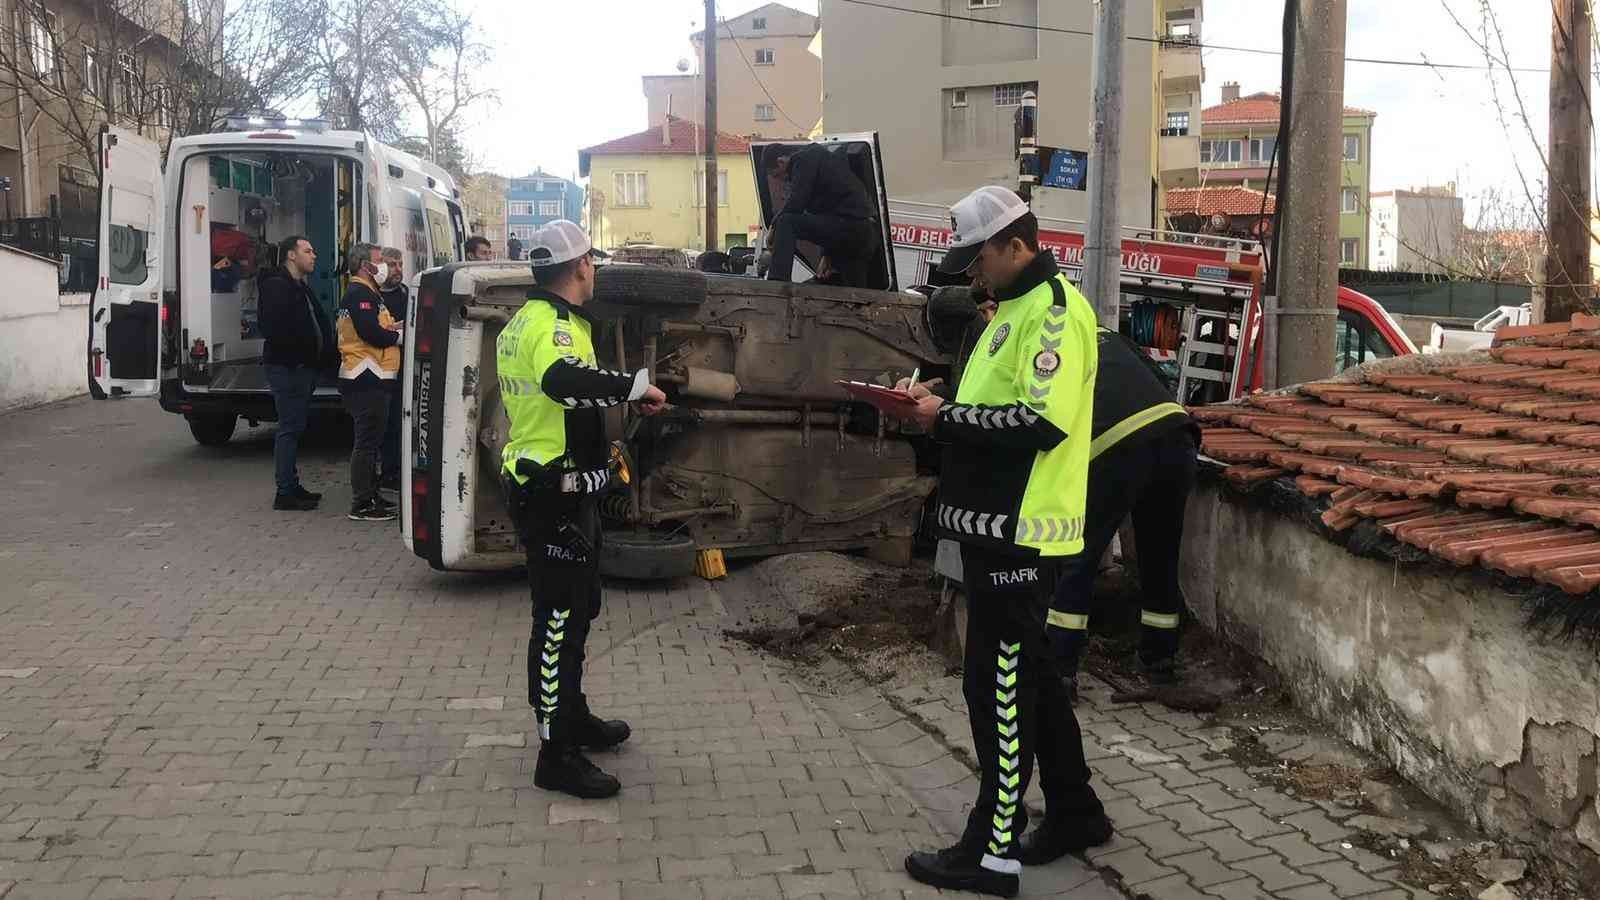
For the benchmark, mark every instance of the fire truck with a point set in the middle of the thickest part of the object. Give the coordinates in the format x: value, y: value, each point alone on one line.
x: 1193, y: 302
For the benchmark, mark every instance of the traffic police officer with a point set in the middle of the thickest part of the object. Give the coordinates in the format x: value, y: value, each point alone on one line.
x: 1012, y: 492
x: 1141, y: 460
x: 556, y: 462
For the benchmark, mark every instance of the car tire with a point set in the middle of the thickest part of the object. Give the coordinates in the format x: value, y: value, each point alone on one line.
x: 212, y: 430
x: 623, y: 288
x: 647, y: 555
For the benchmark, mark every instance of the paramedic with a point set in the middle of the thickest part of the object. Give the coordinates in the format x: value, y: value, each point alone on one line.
x: 1013, y: 493
x: 396, y: 298
x: 299, y: 344
x: 1141, y: 460
x: 369, y: 350
x: 827, y: 205
x: 478, y: 249
x: 555, y: 463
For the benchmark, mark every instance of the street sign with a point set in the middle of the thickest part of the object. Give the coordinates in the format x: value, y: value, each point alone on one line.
x: 1068, y: 169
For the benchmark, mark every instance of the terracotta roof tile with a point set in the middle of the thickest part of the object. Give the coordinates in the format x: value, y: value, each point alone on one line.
x: 1260, y: 108
x: 1227, y: 200
x: 683, y: 135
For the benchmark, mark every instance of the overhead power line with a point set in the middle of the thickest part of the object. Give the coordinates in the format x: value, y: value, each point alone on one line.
x: 1053, y: 29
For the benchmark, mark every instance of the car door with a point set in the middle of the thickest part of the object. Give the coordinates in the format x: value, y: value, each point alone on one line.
x: 866, y: 160
x: 125, y: 311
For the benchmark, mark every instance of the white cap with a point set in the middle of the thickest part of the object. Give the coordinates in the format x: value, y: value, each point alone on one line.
x: 978, y: 217
x: 558, y: 242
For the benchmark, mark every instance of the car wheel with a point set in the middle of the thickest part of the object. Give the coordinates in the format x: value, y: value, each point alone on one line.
x: 647, y: 555
x: 212, y: 430
x: 619, y: 289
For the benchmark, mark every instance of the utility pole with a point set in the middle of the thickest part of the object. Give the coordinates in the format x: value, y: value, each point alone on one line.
x: 711, y: 124
x: 1102, y: 245
x: 1028, y: 146
x: 1567, y: 274
x: 1308, y: 267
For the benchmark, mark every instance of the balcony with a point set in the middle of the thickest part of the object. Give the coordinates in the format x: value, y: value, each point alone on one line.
x: 1181, y: 71
x: 1180, y: 159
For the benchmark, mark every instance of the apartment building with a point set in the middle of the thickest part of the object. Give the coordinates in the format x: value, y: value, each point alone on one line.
x: 943, y: 92
x: 1416, y: 230
x: 538, y: 199
x: 769, y: 77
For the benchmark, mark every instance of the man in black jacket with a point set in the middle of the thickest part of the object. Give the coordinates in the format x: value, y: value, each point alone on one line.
x: 827, y: 205
x: 299, y: 343
x: 396, y: 298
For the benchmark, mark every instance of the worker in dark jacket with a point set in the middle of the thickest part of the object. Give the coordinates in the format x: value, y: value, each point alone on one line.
x: 827, y: 205
x: 299, y: 344
x: 396, y: 299
x: 369, y: 367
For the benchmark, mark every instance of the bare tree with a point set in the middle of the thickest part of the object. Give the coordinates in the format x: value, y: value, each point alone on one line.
x: 1505, y: 242
x: 353, y: 74
x: 437, y: 63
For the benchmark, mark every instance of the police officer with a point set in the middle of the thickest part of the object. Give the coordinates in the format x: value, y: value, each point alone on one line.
x: 555, y: 463
x: 1012, y: 492
x: 1142, y: 460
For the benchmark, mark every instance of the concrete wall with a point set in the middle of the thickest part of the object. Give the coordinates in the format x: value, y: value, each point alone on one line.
x: 1429, y: 667
x: 44, y: 334
x: 884, y: 71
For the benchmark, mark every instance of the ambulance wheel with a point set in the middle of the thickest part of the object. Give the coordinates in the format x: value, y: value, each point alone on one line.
x: 212, y: 430
x: 647, y: 555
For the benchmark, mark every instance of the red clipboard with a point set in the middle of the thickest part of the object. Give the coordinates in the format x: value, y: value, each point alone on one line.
x: 887, y: 400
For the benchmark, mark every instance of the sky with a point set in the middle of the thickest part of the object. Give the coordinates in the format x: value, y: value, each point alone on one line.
x: 568, y: 73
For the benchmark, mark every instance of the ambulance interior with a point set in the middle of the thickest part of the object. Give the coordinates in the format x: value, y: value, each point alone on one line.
x: 236, y: 207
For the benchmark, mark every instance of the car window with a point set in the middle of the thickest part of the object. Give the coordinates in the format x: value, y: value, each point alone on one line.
x: 129, y: 263
x: 441, y: 236
x: 1357, y: 342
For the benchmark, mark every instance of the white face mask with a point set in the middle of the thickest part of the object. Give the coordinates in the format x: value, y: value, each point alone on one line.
x: 382, y: 274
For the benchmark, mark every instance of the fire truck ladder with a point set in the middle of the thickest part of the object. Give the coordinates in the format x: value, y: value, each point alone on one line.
x: 1208, y: 354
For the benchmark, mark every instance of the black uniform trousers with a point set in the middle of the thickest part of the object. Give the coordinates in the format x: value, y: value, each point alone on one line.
x: 1016, y: 703
x: 1151, y: 479
x: 564, y: 581
x: 849, y: 243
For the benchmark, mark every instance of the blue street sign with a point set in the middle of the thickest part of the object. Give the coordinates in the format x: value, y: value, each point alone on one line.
x: 1067, y: 169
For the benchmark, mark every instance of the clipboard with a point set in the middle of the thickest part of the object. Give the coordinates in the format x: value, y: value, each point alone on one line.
x: 887, y: 400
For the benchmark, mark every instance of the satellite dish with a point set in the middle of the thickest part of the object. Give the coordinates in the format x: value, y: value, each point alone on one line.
x: 683, y: 65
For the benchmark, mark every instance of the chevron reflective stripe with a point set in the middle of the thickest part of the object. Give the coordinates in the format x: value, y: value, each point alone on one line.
x: 587, y: 402
x: 1009, y: 751
x: 1158, y: 620
x: 555, y: 629
x: 1049, y: 531
x: 992, y: 418
x: 966, y: 521
x: 1069, y: 621
x: 518, y: 387
x: 594, y: 479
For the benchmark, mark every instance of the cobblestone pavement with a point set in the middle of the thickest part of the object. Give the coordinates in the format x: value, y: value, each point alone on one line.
x: 201, y: 697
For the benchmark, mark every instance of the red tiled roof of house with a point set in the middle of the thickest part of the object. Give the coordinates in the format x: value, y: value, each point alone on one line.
x: 1229, y: 200
x: 1260, y: 108
x: 1492, y: 463
x: 684, y: 136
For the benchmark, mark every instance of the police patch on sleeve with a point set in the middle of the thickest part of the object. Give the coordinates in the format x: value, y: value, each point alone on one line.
x: 1000, y: 335
x: 563, y: 338
x: 1045, y: 364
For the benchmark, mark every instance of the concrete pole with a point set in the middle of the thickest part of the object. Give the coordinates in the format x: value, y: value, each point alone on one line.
x: 1102, y: 244
x: 711, y: 124
x: 1567, y: 260
x: 1028, y: 171
x: 1308, y: 269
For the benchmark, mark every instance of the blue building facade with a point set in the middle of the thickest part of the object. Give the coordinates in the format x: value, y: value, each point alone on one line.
x: 536, y: 199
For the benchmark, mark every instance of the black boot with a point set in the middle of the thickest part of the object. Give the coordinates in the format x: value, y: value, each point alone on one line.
x: 1056, y: 838
x: 600, y: 734
x: 960, y: 868
x: 562, y: 768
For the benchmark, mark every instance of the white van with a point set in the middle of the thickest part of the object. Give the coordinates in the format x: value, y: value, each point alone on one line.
x: 165, y: 322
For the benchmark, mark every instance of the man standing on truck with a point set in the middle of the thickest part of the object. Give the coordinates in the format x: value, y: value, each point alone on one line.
x: 1012, y: 492
x: 369, y: 372
x: 827, y: 205
x: 299, y: 345
x: 396, y: 298
x: 555, y: 463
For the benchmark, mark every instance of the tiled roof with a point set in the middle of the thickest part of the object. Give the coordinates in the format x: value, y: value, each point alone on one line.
x: 1260, y: 108
x: 682, y: 139
x: 1229, y: 200
x: 1492, y: 463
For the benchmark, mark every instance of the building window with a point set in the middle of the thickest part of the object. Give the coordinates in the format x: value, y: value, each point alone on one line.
x: 538, y: 187
x: 759, y: 23
x: 160, y: 103
x: 1177, y: 124
x: 1219, y: 152
x: 1261, y: 149
x: 983, y: 4
x: 700, y: 187
x: 766, y: 112
x: 1349, y: 251
x: 523, y: 232
x: 1181, y: 30
x: 42, y: 41
x: 92, y: 76
x: 958, y: 98
x: 632, y: 189
x: 521, y: 208
x: 1349, y: 201
x: 764, y: 57
x: 549, y: 207
x: 1011, y: 94
x: 1352, y: 148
